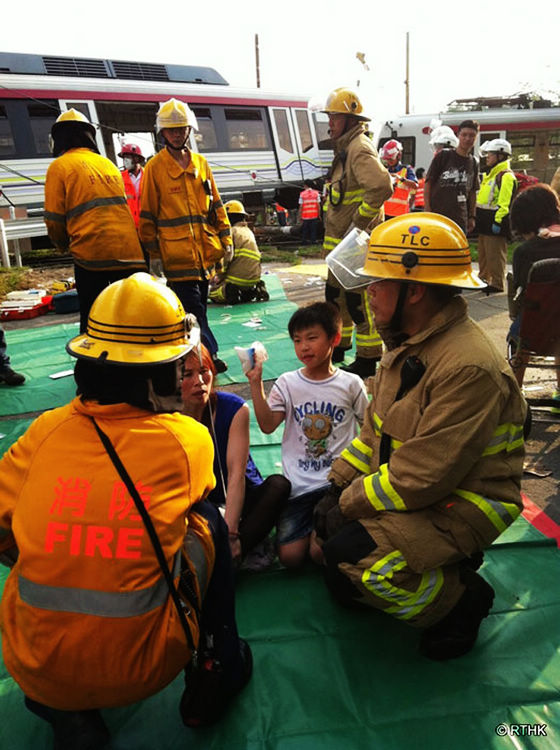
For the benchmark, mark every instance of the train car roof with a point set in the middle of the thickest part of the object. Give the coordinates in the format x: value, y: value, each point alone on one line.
x: 83, y: 67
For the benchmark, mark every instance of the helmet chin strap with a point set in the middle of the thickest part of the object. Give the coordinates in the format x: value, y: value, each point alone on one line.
x: 182, y: 146
x: 395, y: 324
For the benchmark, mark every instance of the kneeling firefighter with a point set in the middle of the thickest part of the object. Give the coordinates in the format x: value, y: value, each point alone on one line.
x: 103, y: 518
x: 240, y: 280
x: 434, y: 476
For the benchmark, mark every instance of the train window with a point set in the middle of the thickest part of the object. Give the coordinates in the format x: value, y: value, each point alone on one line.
x: 41, y: 119
x: 80, y: 107
x: 245, y: 129
x: 283, y: 130
x: 206, y: 139
x: 7, y: 145
x: 523, y: 151
x: 322, y: 130
x: 304, y: 130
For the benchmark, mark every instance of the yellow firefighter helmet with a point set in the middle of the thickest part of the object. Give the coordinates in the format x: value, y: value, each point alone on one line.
x: 423, y: 247
x: 72, y: 117
x: 235, y: 207
x: 345, y: 102
x: 175, y: 114
x: 135, y: 321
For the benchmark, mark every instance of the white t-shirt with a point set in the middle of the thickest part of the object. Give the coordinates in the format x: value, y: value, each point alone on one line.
x: 321, y: 420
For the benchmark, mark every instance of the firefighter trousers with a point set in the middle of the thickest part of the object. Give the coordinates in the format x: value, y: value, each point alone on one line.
x: 404, y: 564
x: 355, y: 310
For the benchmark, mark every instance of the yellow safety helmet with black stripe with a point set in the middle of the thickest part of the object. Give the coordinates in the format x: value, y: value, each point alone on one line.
x: 135, y: 321
x: 425, y: 248
x: 73, y: 118
x: 343, y: 101
x: 235, y: 207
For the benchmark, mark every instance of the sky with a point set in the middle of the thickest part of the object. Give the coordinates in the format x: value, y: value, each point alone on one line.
x: 457, y: 50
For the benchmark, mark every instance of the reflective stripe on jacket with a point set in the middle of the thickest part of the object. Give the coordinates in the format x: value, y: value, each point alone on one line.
x: 419, y: 195
x: 456, y: 437
x: 182, y: 217
x: 398, y: 203
x: 245, y: 267
x: 86, y: 616
x: 489, y: 197
x: 86, y: 212
x: 358, y: 187
x: 132, y: 196
x: 310, y: 201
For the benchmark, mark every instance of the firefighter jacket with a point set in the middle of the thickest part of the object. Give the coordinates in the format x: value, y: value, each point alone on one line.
x: 86, y: 616
x: 456, y: 440
x: 245, y: 267
x: 182, y: 217
x: 358, y: 187
x: 86, y: 212
x: 133, y: 191
x: 495, y: 195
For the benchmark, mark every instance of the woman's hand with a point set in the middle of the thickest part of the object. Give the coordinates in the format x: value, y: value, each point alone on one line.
x: 235, y: 547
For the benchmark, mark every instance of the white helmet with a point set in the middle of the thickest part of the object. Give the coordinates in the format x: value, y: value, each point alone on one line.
x: 496, y: 146
x: 443, y: 136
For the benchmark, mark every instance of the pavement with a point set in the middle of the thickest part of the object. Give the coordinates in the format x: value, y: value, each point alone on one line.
x: 542, y: 464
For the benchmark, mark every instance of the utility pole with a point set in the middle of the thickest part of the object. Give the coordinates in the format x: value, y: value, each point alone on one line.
x: 257, y: 61
x: 407, y: 80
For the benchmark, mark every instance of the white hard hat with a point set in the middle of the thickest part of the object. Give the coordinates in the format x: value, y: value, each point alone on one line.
x: 443, y: 136
x: 496, y: 146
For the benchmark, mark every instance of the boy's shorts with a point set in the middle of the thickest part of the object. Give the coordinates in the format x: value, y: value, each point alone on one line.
x: 296, y: 519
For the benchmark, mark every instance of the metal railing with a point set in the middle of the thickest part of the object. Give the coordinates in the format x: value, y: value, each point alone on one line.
x: 13, y: 230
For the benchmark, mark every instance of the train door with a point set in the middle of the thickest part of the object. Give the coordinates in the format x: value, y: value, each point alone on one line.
x: 87, y: 108
x: 285, y: 144
x: 306, y: 143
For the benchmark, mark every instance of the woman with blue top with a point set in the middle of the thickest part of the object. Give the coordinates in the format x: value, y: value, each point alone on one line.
x: 252, y: 504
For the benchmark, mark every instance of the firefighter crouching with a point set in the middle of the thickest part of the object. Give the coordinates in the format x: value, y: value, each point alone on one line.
x: 87, y: 617
x: 241, y: 279
x: 434, y: 476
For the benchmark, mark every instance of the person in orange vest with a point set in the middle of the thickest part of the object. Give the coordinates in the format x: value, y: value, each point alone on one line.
x: 310, y: 208
x: 403, y: 177
x: 92, y: 616
x: 132, y: 176
x: 281, y: 215
x: 417, y: 199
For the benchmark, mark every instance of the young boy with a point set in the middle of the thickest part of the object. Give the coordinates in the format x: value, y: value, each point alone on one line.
x: 322, y: 406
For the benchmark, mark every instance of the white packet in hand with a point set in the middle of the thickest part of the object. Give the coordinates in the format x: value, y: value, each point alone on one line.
x: 250, y: 356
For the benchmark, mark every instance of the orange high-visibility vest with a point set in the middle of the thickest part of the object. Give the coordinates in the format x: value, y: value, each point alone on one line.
x: 133, y: 197
x: 309, y: 204
x: 419, y: 196
x: 397, y: 204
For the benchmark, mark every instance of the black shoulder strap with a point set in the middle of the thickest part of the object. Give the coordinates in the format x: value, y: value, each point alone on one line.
x: 152, y: 533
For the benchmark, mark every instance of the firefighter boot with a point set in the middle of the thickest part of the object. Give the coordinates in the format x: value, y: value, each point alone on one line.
x: 73, y: 730
x: 209, y: 690
x: 362, y: 367
x: 338, y: 354
x: 8, y: 376
x: 262, y: 292
x: 219, y: 364
x: 456, y: 634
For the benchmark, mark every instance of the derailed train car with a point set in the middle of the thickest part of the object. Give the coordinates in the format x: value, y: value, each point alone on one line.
x: 260, y: 145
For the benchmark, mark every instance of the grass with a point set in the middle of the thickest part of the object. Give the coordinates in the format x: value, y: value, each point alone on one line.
x: 11, y: 279
x: 293, y: 255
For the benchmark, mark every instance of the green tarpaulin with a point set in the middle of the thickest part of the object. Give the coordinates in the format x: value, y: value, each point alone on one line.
x: 327, y: 677
x: 40, y: 352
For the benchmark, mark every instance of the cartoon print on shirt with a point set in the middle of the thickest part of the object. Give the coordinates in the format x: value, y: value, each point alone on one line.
x: 316, y: 428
